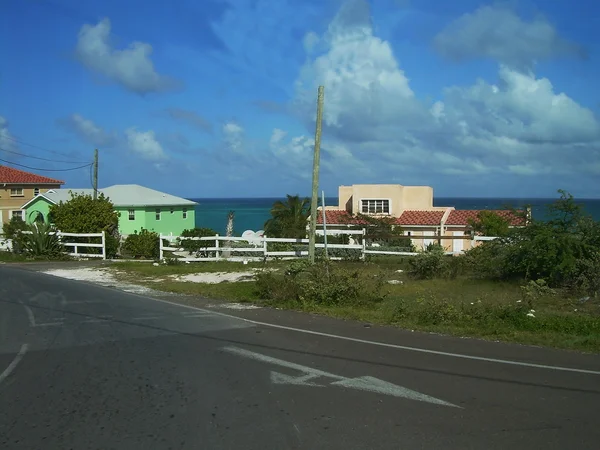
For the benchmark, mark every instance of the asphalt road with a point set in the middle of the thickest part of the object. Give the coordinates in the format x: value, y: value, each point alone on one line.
x: 89, y: 367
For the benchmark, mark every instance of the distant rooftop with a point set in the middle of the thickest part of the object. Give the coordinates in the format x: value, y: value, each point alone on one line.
x: 123, y: 195
x: 9, y: 175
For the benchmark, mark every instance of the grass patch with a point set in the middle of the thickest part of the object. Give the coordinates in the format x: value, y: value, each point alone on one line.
x: 360, y: 291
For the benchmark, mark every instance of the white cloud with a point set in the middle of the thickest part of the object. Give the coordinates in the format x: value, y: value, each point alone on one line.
x: 130, y: 67
x: 6, y: 139
x: 190, y: 117
x: 499, y: 33
x: 233, y: 136
x: 372, y: 112
x: 88, y: 130
x: 144, y: 144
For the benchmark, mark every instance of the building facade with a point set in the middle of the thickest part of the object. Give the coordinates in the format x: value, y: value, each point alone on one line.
x: 17, y: 188
x: 138, y: 207
x: 413, y: 210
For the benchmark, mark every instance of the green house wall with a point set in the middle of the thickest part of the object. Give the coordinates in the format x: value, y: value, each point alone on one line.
x: 171, y: 217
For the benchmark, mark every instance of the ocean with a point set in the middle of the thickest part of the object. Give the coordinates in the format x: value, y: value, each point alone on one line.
x: 252, y: 213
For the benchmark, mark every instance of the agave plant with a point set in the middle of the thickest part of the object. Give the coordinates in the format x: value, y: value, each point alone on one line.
x: 40, y: 239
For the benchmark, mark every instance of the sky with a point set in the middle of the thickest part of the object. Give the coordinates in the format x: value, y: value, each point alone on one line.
x: 217, y: 98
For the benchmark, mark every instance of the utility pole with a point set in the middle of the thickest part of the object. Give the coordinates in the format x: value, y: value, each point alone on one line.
x: 315, y: 178
x: 95, y: 182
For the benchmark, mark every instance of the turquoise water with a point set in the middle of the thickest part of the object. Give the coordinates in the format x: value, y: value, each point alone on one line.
x: 252, y: 213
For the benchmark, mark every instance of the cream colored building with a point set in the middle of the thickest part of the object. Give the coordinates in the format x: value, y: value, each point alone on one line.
x: 17, y: 188
x: 413, y: 208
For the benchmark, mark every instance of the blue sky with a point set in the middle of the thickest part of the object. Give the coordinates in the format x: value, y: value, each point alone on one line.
x: 217, y: 98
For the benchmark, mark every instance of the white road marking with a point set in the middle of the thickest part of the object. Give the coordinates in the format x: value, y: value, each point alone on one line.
x: 385, y: 344
x: 14, y: 363
x: 365, y: 341
x: 30, y: 315
x: 50, y: 324
x: 365, y: 383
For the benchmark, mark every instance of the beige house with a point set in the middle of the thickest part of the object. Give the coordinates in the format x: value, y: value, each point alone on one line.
x: 17, y: 188
x: 412, y: 206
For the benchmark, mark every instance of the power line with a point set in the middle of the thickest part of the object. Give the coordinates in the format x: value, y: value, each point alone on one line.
x: 38, y: 147
x: 46, y: 170
x: 37, y: 157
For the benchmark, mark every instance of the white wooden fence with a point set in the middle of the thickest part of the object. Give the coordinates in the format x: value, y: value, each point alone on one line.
x: 259, y: 246
x: 76, y: 246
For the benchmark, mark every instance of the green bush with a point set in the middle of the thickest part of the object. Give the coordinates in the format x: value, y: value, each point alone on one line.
x: 322, y: 283
x: 429, y: 264
x: 11, y: 230
x: 40, y: 239
x: 563, y: 251
x: 83, y: 214
x: 197, y: 247
x: 144, y: 244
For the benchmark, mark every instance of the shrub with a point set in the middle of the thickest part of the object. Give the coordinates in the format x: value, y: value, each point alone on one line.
x: 144, y: 244
x: 323, y: 283
x: 197, y: 247
x: 11, y: 230
x: 83, y: 214
x: 40, y: 239
x: 432, y: 263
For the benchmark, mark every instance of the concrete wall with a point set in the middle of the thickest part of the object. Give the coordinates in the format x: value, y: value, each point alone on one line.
x: 9, y: 203
x: 401, y: 197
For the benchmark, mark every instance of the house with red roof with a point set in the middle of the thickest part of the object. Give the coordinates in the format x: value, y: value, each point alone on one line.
x: 412, y: 207
x: 17, y: 187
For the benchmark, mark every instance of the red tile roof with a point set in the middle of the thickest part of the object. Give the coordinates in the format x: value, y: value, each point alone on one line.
x: 9, y: 175
x: 337, y: 217
x: 420, y: 217
x: 462, y: 216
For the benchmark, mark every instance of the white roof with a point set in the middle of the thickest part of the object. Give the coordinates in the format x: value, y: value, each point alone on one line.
x: 123, y: 195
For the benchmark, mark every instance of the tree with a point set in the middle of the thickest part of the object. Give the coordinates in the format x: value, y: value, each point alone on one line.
x: 289, y: 217
x: 489, y: 223
x: 83, y: 214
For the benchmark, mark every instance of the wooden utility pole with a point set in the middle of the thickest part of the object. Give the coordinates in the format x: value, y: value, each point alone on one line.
x: 315, y: 178
x: 95, y: 182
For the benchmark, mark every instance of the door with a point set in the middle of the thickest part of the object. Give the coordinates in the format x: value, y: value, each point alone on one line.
x: 457, y: 244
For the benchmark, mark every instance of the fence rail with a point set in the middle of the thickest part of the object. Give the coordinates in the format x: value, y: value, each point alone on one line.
x: 7, y: 243
x: 259, y: 246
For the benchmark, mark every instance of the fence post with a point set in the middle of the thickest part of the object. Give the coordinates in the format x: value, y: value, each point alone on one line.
x: 160, y: 247
x: 217, y: 246
x: 103, y: 244
x: 265, y: 249
x: 364, y: 243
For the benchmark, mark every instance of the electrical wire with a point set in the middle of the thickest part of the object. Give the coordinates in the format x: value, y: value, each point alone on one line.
x: 47, y: 170
x: 37, y: 157
x: 39, y: 148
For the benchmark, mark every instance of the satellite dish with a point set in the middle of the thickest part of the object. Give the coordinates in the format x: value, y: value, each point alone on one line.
x: 248, y: 234
x: 260, y: 233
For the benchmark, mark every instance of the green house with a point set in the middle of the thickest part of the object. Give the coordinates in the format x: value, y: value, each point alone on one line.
x: 139, y: 207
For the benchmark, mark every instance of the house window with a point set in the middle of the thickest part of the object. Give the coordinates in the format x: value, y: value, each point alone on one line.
x: 409, y: 233
x: 16, y: 192
x: 157, y: 215
x: 17, y: 214
x: 36, y: 192
x: 131, y: 213
x: 375, y: 207
x: 172, y: 210
x: 185, y: 213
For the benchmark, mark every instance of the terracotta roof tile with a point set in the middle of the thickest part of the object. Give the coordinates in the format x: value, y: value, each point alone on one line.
x: 337, y: 217
x: 462, y: 216
x: 15, y: 176
x: 413, y: 217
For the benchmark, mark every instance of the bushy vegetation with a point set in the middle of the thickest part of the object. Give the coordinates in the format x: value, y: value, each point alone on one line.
x: 564, y: 251
x: 197, y: 247
x: 37, y: 240
x: 322, y: 283
x: 144, y: 244
x: 12, y: 230
x: 288, y: 218
x: 83, y: 214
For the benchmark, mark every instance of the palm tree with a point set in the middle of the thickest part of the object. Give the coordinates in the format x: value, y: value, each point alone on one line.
x: 288, y: 218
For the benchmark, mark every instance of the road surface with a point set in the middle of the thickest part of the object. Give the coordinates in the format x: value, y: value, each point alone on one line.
x: 89, y: 367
